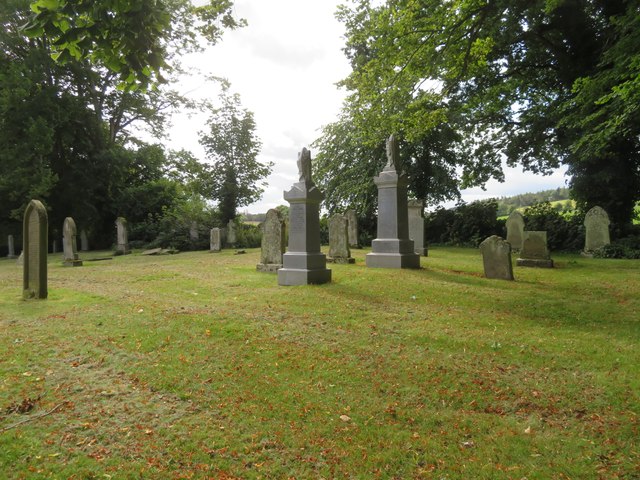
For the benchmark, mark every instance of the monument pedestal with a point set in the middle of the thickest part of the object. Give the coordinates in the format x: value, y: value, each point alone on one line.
x: 72, y: 263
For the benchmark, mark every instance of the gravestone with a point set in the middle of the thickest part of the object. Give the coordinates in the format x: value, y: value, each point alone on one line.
x: 273, y: 242
x: 122, y: 245
x: 69, y: 244
x: 339, y: 240
x: 193, y: 232
x: 304, y: 263
x: 496, y: 258
x: 416, y: 226
x: 515, y: 230
x: 596, y: 223
x: 231, y: 234
x: 34, y: 249
x: 215, y: 240
x: 84, y: 241
x: 392, y: 248
x: 20, y: 260
x: 11, y: 247
x: 534, y: 251
x: 54, y: 246
x: 352, y: 228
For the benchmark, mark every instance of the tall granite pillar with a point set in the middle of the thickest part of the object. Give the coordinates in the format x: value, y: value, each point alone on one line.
x: 392, y: 248
x: 303, y: 263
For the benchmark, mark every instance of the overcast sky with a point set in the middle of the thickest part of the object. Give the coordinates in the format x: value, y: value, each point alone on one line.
x: 284, y: 65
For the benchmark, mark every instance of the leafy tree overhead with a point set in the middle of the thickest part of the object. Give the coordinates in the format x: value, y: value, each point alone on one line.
x: 537, y: 83
x: 235, y: 177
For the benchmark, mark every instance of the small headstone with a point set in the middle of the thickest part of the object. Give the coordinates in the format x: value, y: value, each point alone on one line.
x: 215, y: 240
x: 273, y: 242
x: 231, y: 234
x: 416, y: 226
x: 84, y: 241
x: 496, y: 258
x: 304, y: 263
x: 596, y: 223
x: 69, y: 244
x: 392, y: 248
x: 11, y: 247
x: 534, y: 251
x: 122, y: 243
x: 352, y: 228
x: 34, y: 248
x: 339, y: 240
x: 515, y: 230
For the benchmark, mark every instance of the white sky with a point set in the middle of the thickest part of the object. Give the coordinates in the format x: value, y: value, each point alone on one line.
x: 284, y: 65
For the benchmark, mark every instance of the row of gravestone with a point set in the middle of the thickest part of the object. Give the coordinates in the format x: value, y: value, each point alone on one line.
x: 596, y: 223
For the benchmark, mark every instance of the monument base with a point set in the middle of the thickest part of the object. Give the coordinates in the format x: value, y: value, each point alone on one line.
x: 72, y: 263
x: 268, y: 267
x: 423, y: 252
x: 530, y: 262
x: 301, y: 268
x: 341, y: 260
x: 392, y: 260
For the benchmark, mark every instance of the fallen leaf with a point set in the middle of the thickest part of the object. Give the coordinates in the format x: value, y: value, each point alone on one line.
x: 345, y: 418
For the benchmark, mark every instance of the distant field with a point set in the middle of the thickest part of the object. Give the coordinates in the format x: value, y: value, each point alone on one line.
x: 197, y: 366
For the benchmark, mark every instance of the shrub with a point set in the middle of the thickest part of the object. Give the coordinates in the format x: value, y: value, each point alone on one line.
x: 565, y: 231
x: 464, y: 225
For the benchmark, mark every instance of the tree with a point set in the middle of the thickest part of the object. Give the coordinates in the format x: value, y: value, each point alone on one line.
x: 534, y: 82
x: 135, y: 39
x: 235, y: 175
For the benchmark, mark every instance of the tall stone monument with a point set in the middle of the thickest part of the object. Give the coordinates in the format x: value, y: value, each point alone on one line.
x: 34, y: 249
x: 596, y: 223
x: 304, y: 263
x: 496, y: 258
x: 69, y: 244
x: 11, y: 247
x: 515, y: 230
x: 215, y: 240
x: 416, y: 226
x: 122, y: 247
x: 392, y: 248
x: 535, y: 252
x: 84, y: 241
x: 273, y: 242
x: 339, y: 251
x: 352, y: 228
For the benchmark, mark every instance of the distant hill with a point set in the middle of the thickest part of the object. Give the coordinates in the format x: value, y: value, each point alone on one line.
x: 558, y: 196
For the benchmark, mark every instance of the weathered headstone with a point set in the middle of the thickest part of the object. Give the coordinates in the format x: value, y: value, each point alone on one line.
x: 496, y: 258
x: 304, y: 263
x: 339, y: 240
x: 215, y: 240
x: 69, y: 244
x: 122, y: 244
x: 54, y: 246
x: 416, y: 226
x: 232, y: 238
x: 11, y: 247
x: 193, y: 231
x: 84, y: 241
x: 596, y: 223
x: 534, y: 251
x: 515, y: 229
x: 34, y: 248
x: 392, y: 248
x: 273, y: 242
x: 352, y: 228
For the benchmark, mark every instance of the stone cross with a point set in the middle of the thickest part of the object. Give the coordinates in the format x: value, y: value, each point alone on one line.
x: 11, y: 247
x: 352, y: 228
x: 215, y: 240
x: 596, y: 223
x: 416, y: 226
x: 304, y: 263
x: 496, y: 258
x: 515, y: 229
x: 339, y: 240
x: 69, y: 244
x: 535, y: 252
x: 34, y: 248
x: 122, y: 236
x: 273, y: 242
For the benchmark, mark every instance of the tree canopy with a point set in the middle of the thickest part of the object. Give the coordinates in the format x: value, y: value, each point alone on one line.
x: 468, y: 84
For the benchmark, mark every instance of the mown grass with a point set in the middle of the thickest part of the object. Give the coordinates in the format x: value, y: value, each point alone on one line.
x: 197, y: 366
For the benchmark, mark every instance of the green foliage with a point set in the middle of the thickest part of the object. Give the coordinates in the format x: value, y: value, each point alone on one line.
x: 627, y: 247
x: 565, y: 232
x: 248, y: 236
x: 235, y: 177
x: 466, y: 224
x: 506, y: 205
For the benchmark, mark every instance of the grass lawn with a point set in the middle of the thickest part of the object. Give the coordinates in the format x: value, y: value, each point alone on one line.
x: 197, y: 366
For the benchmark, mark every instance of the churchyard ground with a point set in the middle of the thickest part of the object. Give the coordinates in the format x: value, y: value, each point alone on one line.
x: 197, y: 366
